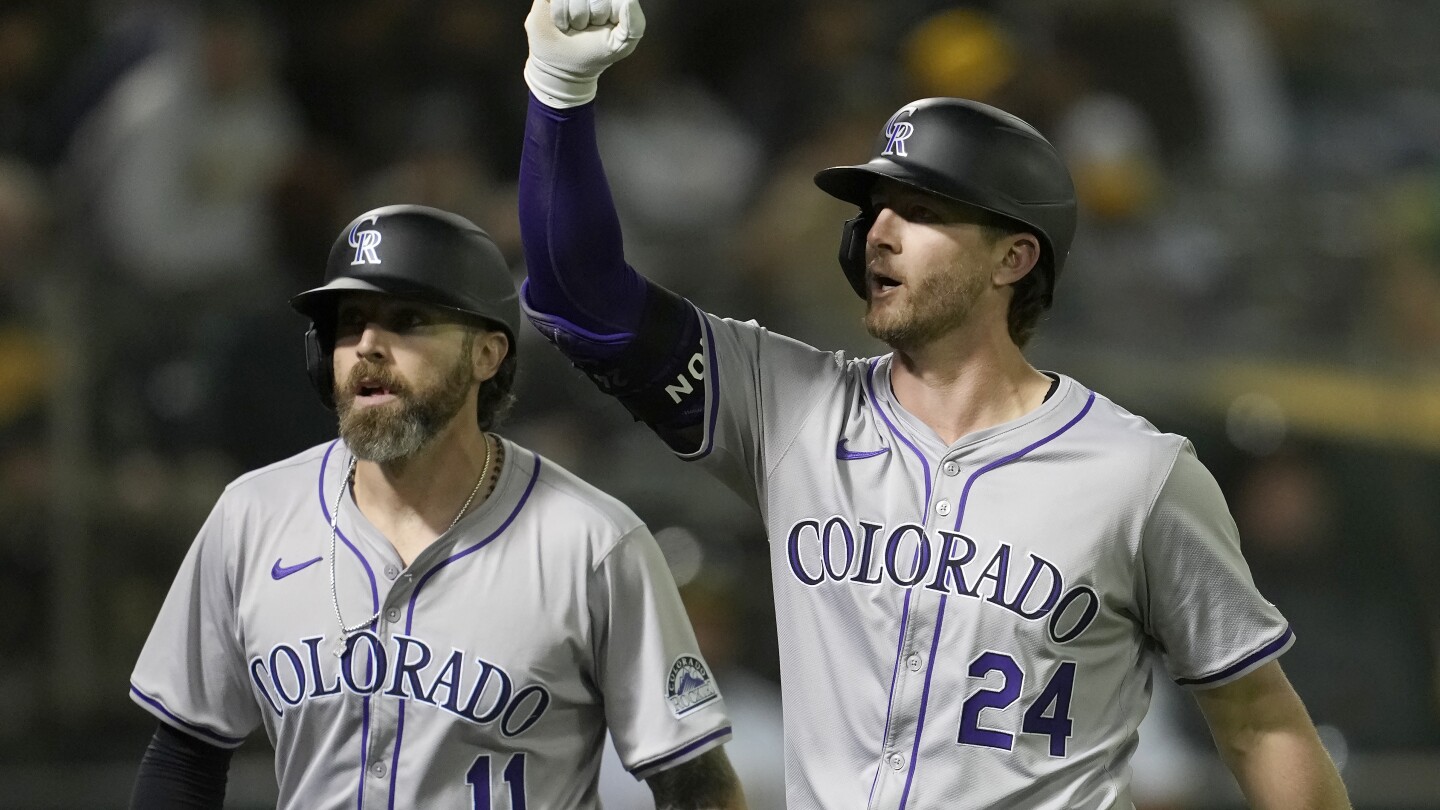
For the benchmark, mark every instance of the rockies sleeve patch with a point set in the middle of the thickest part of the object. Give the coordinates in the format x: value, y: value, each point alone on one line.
x: 689, y: 686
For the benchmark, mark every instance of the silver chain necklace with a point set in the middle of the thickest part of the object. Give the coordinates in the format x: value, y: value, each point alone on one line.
x: 346, y: 631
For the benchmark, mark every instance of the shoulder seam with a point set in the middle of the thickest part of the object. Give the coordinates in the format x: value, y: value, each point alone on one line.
x: 619, y: 541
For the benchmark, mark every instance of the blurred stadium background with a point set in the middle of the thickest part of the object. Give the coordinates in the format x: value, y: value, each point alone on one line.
x: 1258, y: 267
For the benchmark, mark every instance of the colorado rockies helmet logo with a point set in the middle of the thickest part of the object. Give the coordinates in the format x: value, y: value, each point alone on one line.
x: 897, y: 131
x: 365, y: 242
x: 689, y: 686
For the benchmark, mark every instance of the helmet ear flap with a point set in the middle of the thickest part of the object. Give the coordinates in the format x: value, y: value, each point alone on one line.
x: 319, y: 367
x: 852, y: 250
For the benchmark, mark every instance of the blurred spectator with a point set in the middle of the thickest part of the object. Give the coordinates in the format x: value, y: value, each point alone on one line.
x: 1245, y: 104
x: 174, y: 171
x: 1135, y: 49
x: 180, y: 156
x: 1149, y: 268
x: 961, y: 52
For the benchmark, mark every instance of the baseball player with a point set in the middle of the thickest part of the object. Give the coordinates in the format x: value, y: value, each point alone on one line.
x: 971, y: 558
x: 422, y: 613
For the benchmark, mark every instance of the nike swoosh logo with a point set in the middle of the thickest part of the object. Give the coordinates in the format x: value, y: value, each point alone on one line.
x: 851, y: 455
x: 282, y: 571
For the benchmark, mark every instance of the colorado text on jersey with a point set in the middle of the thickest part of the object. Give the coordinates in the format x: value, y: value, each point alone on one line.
x: 826, y: 553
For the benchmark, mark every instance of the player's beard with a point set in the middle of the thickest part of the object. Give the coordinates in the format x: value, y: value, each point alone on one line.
x: 399, y: 429
x: 934, y: 306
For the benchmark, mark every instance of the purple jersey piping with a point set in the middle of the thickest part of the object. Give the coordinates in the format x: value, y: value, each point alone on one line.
x: 890, y: 701
x: 410, y: 611
x: 364, y: 745
x: 875, y: 403
x: 325, y: 510
x: 1274, y: 647
x: 194, y: 729
x: 536, y: 316
x: 924, y: 702
x: 960, y: 516
x: 905, y: 614
x: 646, y: 769
x: 375, y: 605
x: 713, y: 377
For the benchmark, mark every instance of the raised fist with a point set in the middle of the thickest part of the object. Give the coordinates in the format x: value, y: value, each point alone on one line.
x: 573, y: 41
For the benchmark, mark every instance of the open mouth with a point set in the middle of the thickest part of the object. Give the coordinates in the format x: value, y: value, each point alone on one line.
x: 373, y: 391
x: 881, y: 283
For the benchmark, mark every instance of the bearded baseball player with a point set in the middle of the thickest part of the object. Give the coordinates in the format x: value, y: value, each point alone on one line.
x: 422, y: 613
x: 971, y: 559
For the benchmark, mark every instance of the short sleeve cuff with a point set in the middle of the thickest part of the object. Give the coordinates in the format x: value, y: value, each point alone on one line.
x: 680, y: 755
x: 170, y: 718
x: 1244, y: 666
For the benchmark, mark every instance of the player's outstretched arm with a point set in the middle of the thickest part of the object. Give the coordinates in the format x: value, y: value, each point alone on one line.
x: 706, y: 782
x: 631, y: 337
x: 1269, y: 743
x: 579, y: 291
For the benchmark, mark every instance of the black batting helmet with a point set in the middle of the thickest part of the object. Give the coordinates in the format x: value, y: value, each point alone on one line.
x: 415, y: 253
x: 972, y: 153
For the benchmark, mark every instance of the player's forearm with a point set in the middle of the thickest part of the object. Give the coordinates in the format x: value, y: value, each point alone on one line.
x: 1266, y: 738
x: 704, y: 783
x: 1287, y: 769
x: 573, y: 249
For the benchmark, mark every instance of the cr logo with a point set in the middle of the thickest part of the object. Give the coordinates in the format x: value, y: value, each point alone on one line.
x: 896, y: 133
x: 365, y: 242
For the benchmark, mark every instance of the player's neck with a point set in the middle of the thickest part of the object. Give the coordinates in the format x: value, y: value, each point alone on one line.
x: 414, y: 500
x: 959, y: 388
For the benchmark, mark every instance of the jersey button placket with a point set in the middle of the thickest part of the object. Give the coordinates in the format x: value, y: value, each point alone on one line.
x: 909, y: 689
x: 924, y: 610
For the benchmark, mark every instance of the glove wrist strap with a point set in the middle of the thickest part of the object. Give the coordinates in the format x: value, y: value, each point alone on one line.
x: 556, y: 88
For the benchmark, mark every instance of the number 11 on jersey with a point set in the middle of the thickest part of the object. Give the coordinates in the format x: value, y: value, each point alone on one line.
x: 478, y: 778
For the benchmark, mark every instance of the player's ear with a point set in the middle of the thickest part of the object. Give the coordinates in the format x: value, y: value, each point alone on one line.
x: 1018, y: 254
x: 489, y: 349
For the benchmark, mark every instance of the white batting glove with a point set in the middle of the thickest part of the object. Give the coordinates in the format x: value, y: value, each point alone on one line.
x: 573, y: 41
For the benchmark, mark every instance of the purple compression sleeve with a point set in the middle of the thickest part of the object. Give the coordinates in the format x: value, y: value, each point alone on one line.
x: 627, y: 334
x: 573, y: 249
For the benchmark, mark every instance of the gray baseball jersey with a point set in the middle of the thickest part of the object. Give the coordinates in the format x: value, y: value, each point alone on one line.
x: 967, y: 625
x: 500, y: 657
